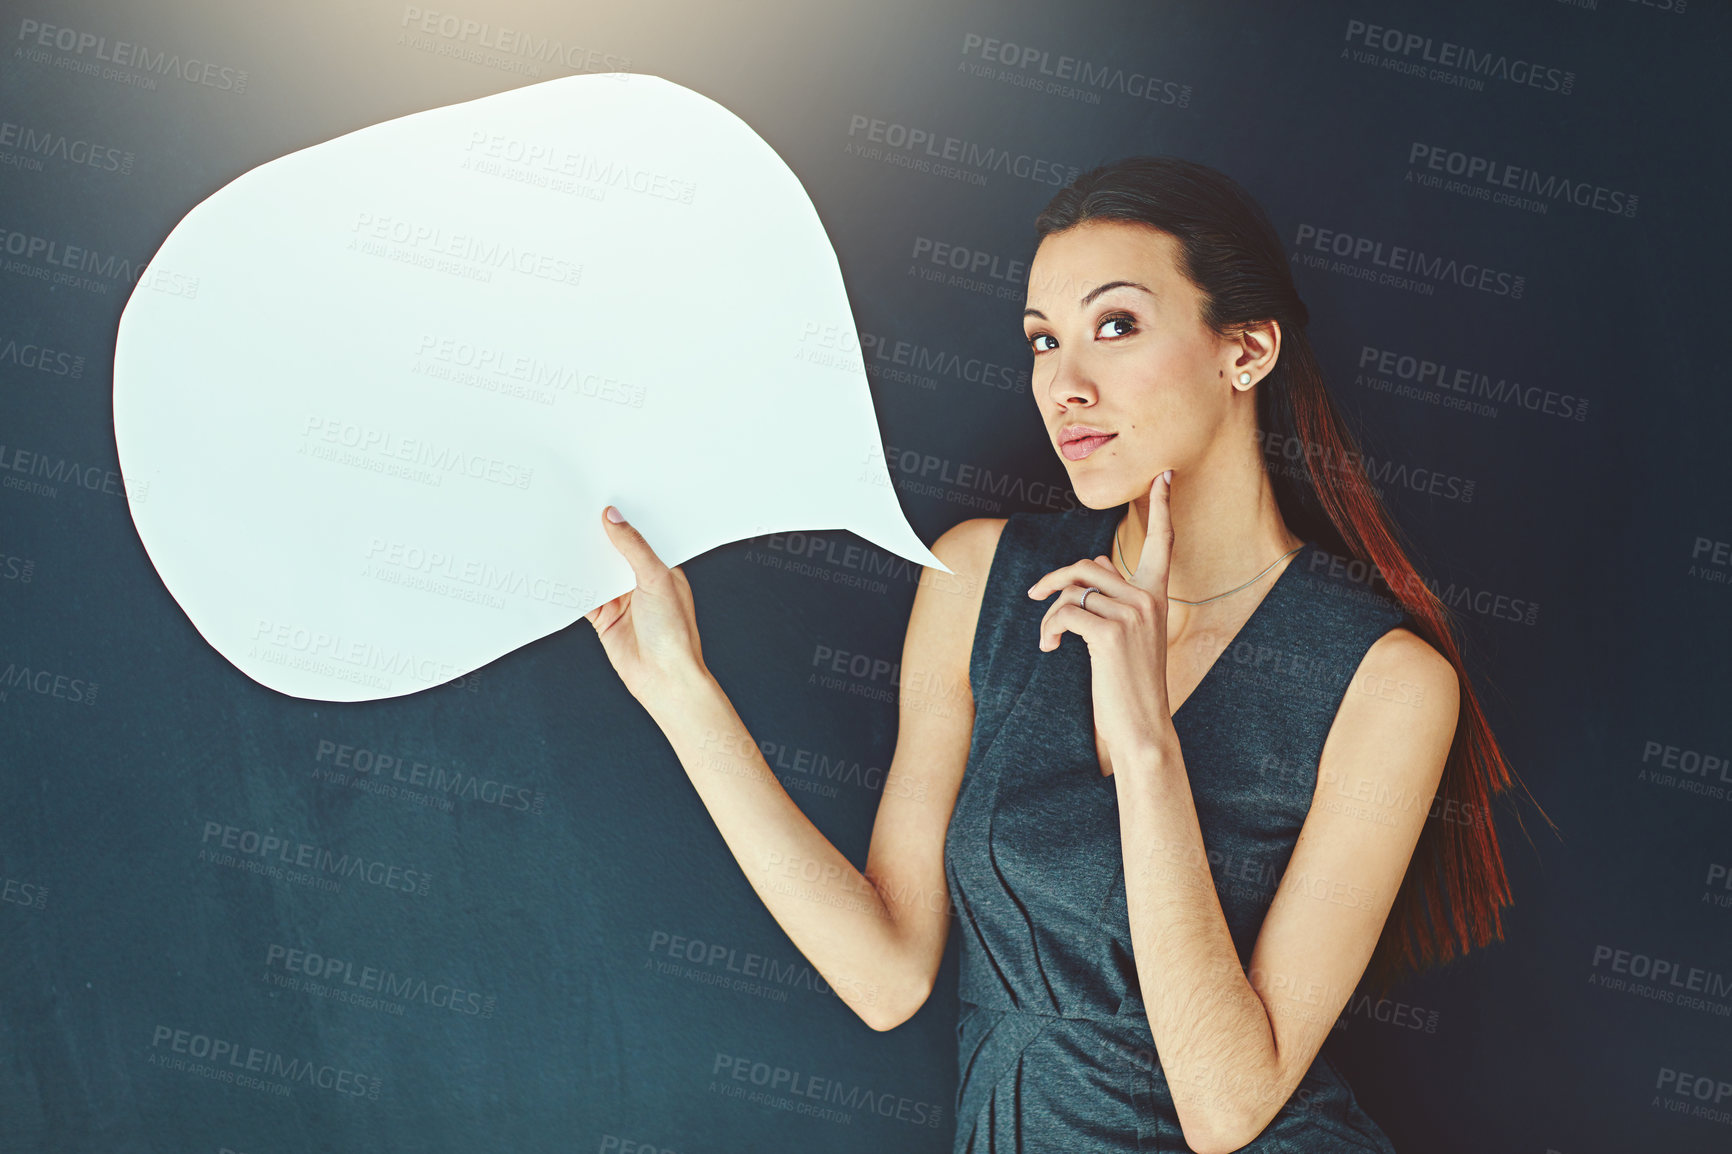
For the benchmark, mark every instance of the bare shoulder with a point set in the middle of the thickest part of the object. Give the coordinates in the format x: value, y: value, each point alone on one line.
x: 946, y: 609
x: 968, y: 546
x: 1403, y: 656
x: 1399, y: 716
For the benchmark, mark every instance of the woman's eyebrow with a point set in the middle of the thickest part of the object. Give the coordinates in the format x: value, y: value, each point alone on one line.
x: 1113, y: 284
x: 1093, y: 293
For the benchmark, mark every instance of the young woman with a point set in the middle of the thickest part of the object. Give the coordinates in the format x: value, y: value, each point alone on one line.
x: 1287, y: 773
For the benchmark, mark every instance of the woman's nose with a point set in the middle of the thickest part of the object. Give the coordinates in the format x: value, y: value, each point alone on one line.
x: 1070, y: 383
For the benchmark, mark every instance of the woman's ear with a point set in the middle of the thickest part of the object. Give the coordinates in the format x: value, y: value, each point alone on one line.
x: 1256, y: 348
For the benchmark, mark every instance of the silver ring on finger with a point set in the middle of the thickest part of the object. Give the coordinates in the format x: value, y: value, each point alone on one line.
x: 1084, y: 602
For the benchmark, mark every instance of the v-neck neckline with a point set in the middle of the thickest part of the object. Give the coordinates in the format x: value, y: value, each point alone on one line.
x: 1102, y: 544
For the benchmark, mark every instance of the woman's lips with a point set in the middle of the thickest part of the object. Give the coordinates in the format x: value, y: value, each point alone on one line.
x: 1081, y: 447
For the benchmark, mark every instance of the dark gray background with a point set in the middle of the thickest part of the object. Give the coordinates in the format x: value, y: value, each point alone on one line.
x: 113, y: 929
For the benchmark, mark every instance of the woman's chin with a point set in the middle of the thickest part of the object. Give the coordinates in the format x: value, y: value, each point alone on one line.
x: 1097, y: 492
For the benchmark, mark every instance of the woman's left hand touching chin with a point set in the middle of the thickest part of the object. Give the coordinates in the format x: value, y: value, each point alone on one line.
x: 1125, y: 627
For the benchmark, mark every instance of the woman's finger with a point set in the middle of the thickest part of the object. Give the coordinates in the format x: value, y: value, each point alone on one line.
x: 604, y: 615
x: 1074, y: 594
x: 1068, y: 612
x: 645, y: 565
x: 1157, y: 554
x: 1090, y: 622
x: 1097, y: 571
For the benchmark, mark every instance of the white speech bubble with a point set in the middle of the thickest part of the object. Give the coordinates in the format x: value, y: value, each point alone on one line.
x: 371, y: 397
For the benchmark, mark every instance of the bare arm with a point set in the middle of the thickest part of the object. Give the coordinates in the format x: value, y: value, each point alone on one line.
x: 876, y: 936
x: 1235, y: 1044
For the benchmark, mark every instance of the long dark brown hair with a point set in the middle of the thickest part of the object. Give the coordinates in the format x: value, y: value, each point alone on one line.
x: 1455, y: 889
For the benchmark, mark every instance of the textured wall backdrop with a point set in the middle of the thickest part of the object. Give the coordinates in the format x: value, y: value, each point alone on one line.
x: 1508, y: 219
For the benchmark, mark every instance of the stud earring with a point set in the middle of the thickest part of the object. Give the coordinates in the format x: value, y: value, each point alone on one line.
x: 1244, y: 378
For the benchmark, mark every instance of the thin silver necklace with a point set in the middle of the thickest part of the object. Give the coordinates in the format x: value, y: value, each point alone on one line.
x: 1118, y: 559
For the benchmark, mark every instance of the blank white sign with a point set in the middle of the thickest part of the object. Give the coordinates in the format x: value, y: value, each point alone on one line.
x: 374, y: 395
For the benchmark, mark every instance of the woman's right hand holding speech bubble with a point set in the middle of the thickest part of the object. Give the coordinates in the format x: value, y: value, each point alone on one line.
x: 650, y: 634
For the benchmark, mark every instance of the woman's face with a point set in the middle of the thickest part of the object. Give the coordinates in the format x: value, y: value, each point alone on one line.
x: 1120, y: 348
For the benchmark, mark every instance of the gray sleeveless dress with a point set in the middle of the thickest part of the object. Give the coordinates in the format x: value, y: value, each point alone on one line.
x: 1054, y: 1051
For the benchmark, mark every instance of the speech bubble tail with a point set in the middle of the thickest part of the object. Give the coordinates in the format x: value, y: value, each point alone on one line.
x: 901, y: 540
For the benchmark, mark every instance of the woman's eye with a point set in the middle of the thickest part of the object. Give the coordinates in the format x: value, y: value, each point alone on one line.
x: 1129, y: 326
x: 1034, y: 342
